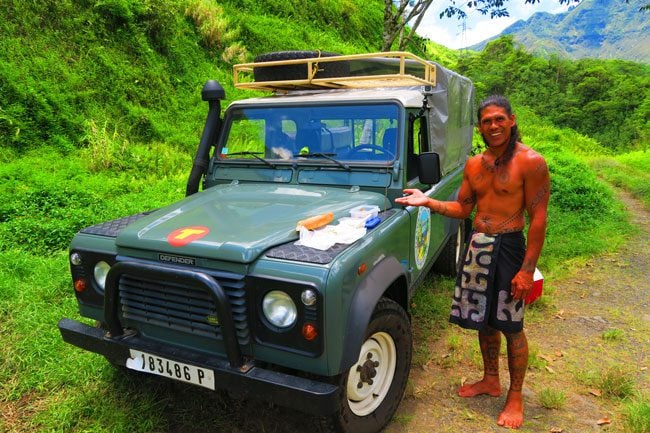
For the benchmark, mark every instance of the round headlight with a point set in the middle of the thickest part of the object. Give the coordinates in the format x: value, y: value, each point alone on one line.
x: 279, y: 309
x: 100, y: 272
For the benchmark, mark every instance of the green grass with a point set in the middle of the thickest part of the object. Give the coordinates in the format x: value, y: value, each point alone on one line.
x: 579, y: 203
x: 104, y: 123
x: 630, y: 171
x: 534, y: 360
x: 430, y: 308
x: 41, y: 209
x: 617, y: 381
x: 453, y: 342
x: 552, y: 398
x: 614, y: 381
x: 637, y: 414
x: 613, y: 335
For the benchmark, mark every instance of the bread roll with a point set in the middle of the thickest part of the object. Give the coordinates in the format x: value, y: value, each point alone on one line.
x: 315, y: 222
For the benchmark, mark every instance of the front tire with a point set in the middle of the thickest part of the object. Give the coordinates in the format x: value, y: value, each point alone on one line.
x: 373, y: 387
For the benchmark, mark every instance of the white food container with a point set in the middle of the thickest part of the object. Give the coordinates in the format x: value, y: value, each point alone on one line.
x: 352, y: 222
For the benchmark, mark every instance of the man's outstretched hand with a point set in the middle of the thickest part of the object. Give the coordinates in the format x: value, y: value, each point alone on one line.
x: 413, y: 197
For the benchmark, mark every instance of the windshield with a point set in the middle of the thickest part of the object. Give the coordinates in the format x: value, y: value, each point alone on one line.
x: 331, y: 133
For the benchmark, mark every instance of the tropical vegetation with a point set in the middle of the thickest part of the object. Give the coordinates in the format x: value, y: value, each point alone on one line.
x: 100, y: 115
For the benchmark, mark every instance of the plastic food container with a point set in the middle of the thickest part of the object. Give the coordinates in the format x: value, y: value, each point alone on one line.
x: 352, y: 222
x: 364, y: 212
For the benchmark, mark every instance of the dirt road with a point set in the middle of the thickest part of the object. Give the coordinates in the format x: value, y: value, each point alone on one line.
x: 599, y: 322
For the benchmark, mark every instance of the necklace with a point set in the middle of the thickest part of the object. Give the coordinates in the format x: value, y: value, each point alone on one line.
x: 492, y: 168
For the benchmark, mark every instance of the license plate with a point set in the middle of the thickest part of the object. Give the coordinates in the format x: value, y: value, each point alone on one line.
x: 153, y: 364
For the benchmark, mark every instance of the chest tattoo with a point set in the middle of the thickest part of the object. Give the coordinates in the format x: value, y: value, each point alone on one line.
x: 490, y: 168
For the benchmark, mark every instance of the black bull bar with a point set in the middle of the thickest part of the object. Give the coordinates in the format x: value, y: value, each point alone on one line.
x: 233, y: 373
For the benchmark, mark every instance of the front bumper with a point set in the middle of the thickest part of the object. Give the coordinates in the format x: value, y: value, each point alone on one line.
x: 246, y: 380
x: 232, y: 371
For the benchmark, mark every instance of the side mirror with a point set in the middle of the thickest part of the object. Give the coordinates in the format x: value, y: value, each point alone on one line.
x: 429, y: 168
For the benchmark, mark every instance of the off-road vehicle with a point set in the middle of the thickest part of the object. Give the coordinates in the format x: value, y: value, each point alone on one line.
x: 225, y: 290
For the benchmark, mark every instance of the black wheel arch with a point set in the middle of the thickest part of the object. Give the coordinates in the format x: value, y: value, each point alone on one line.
x: 388, y: 280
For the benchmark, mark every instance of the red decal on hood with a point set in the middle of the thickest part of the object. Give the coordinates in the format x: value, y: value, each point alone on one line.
x: 185, y: 235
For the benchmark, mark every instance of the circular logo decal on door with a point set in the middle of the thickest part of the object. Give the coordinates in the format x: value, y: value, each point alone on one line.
x: 422, y: 235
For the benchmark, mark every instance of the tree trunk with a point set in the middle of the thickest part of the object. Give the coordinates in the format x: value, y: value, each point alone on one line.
x: 391, y: 29
x: 396, y: 19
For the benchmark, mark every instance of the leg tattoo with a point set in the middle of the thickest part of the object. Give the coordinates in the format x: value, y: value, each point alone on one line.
x: 490, y: 343
x: 512, y: 415
x: 517, y: 359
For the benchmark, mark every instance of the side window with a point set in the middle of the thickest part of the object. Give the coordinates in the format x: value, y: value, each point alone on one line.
x: 417, y: 143
x: 417, y: 131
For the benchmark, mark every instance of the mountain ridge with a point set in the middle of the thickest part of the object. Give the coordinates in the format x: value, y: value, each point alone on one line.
x: 599, y: 29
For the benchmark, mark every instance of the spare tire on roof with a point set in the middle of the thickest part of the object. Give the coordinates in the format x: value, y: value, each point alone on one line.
x: 297, y: 72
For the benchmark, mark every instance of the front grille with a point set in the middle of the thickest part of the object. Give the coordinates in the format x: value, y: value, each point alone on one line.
x: 181, y: 308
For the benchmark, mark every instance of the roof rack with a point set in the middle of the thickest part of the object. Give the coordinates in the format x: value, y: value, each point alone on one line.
x: 385, y: 69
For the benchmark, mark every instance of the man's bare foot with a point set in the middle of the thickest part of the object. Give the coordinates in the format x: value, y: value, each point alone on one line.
x: 513, y: 412
x: 484, y: 386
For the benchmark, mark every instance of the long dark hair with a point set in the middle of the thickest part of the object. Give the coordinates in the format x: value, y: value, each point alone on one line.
x: 515, y: 136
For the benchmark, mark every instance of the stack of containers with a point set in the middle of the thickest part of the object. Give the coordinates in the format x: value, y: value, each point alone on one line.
x: 366, y: 215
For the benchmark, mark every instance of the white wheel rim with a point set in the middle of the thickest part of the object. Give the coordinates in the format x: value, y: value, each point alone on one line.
x: 378, y: 358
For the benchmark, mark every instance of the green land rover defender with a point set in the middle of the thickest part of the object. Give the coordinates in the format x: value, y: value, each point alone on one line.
x: 225, y: 290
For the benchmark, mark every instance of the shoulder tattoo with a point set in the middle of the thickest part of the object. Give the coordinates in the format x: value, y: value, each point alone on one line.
x: 541, y: 193
x: 469, y: 200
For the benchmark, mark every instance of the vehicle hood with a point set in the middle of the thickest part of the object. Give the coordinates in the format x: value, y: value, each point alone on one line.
x: 239, y: 222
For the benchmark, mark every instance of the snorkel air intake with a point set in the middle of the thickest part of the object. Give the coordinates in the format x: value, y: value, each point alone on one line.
x: 213, y: 93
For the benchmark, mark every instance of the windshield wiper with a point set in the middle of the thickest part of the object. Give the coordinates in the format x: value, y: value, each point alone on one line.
x: 254, y: 155
x: 323, y: 155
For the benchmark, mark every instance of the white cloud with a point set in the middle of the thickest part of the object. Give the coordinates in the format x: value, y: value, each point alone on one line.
x: 449, y: 31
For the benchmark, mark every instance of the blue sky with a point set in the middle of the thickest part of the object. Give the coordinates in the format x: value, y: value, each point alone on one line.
x: 449, y: 31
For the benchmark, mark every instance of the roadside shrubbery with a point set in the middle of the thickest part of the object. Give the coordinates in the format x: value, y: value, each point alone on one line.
x: 47, y: 196
x: 104, y: 122
x: 630, y: 171
x: 584, y: 218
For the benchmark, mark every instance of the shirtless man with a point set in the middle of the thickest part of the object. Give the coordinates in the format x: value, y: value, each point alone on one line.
x: 504, y: 182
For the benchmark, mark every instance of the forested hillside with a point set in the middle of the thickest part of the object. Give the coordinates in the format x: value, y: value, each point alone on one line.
x: 135, y: 68
x: 596, y: 29
x: 100, y: 117
x: 608, y: 100
x: 113, y: 88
